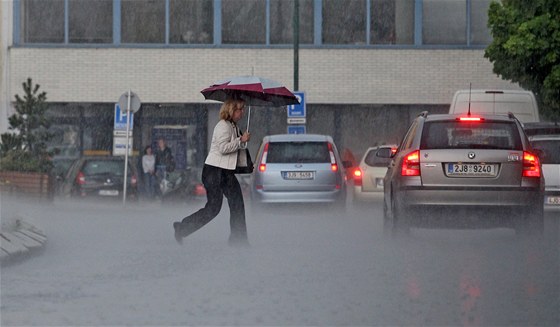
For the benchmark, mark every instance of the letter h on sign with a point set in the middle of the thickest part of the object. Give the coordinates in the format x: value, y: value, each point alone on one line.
x: 120, y: 119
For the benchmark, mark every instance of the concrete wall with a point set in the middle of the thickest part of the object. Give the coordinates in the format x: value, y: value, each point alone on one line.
x: 328, y: 76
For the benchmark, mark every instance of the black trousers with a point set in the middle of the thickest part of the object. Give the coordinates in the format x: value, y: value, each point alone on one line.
x: 219, y: 183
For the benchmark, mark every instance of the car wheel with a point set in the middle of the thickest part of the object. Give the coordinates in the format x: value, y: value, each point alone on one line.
x: 401, y: 218
x: 388, y: 224
x: 395, y: 221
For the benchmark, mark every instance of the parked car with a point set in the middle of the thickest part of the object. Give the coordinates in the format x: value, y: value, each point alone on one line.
x: 368, y: 176
x: 100, y: 177
x: 479, y: 165
x: 298, y: 168
x: 541, y: 128
x: 519, y: 102
x: 549, y: 148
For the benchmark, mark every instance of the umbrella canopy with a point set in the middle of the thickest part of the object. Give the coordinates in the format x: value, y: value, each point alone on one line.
x: 256, y: 91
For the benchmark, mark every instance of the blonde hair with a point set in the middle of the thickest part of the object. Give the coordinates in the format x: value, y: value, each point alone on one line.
x: 229, y: 106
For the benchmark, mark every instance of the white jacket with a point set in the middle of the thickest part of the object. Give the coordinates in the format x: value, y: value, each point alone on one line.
x: 224, y: 146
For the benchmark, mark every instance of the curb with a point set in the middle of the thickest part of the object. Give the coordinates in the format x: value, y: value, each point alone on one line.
x: 20, y: 241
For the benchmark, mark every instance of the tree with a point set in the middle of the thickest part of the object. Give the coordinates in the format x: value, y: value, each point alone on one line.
x: 25, y: 149
x: 526, y: 48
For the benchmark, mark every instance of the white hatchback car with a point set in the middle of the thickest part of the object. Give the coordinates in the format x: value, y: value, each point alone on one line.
x: 368, y: 176
x: 549, y: 148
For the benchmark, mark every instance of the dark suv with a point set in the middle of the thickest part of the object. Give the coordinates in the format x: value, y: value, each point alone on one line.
x: 464, y: 171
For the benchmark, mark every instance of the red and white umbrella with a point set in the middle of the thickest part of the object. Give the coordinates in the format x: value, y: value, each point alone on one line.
x: 256, y: 91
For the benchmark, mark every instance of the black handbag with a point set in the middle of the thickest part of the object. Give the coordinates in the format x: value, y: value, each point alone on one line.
x: 244, y: 162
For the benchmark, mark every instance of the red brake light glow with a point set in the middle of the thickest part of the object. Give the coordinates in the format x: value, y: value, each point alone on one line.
x: 531, y: 165
x: 262, y: 165
x: 411, y: 164
x: 357, y: 177
x: 470, y: 119
x: 334, y: 165
x: 80, y: 179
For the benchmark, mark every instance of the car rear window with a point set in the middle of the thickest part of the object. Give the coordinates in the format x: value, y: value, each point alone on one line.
x: 470, y: 135
x: 373, y: 160
x: 550, y: 149
x: 300, y: 152
x: 94, y: 167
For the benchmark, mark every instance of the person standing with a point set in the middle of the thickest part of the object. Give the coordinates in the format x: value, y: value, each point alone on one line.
x: 164, y: 162
x: 149, y: 169
x: 218, y: 177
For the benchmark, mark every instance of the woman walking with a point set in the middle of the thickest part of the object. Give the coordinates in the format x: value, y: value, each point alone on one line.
x: 219, y: 178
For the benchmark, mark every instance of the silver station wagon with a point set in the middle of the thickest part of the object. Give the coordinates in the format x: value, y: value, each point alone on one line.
x: 298, y: 168
x: 464, y: 171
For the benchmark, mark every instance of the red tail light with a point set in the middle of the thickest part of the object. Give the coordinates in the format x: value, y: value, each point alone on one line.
x: 80, y: 179
x: 531, y: 165
x: 411, y: 164
x: 357, y: 177
x: 334, y: 165
x: 470, y: 119
x: 262, y: 165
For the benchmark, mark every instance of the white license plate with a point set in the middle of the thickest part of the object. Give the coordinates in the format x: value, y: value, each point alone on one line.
x: 553, y: 200
x: 471, y: 170
x: 298, y: 175
x: 108, y: 192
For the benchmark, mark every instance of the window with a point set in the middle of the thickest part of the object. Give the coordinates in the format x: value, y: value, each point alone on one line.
x: 191, y: 21
x: 478, y: 135
x: 244, y: 21
x: 298, y: 152
x: 550, y: 151
x: 91, y: 21
x: 43, y: 21
x: 252, y: 22
x: 143, y: 21
x: 480, y: 34
x: 373, y: 160
x: 344, y: 21
x: 445, y: 22
x: 382, y: 27
x: 392, y: 22
x: 281, y: 21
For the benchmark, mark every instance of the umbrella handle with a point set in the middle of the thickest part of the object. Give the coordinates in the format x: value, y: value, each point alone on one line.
x: 248, y: 118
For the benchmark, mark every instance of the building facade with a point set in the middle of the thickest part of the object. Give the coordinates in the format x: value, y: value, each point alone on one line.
x: 367, y: 67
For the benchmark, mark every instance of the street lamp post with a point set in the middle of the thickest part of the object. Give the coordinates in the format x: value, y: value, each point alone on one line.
x: 296, y: 44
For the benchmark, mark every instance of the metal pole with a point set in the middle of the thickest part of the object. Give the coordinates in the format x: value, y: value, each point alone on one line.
x: 126, y: 152
x: 248, y: 118
x: 296, y: 45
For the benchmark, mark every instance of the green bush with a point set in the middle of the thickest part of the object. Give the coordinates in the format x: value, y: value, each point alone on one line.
x: 18, y: 160
x: 25, y: 148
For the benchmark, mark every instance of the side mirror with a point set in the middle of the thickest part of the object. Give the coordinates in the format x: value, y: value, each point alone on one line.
x: 385, y: 153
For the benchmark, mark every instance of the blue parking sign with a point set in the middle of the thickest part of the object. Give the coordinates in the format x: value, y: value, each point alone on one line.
x: 120, y: 119
x: 296, y: 129
x: 297, y: 110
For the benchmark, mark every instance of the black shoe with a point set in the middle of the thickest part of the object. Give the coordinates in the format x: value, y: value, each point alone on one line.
x: 178, y: 236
